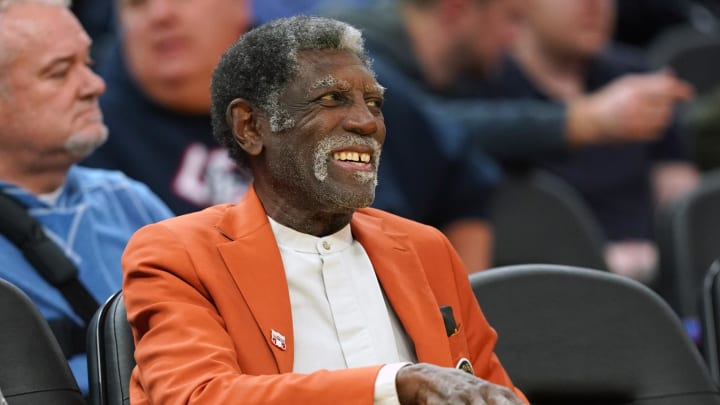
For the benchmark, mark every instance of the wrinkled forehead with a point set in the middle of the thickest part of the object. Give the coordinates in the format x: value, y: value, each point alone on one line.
x: 35, y: 29
x: 334, y: 68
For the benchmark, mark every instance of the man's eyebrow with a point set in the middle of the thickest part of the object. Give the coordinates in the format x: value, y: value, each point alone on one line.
x: 377, y: 87
x: 327, y: 82
x: 331, y: 81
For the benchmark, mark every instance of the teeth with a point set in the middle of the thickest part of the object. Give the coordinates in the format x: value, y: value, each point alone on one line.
x: 352, y: 156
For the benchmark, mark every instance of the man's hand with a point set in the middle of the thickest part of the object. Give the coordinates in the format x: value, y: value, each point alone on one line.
x: 426, y: 384
x: 636, y: 107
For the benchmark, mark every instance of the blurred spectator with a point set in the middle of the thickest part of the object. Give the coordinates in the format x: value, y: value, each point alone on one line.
x: 560, y: 54
x: 49, y: 120
x: 158, y: 100
x: 433, y: 46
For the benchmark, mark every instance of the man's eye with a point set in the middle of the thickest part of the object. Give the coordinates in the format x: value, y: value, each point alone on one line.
x: 375, y: 103
x: 59, y: 74
x: 330, y: 97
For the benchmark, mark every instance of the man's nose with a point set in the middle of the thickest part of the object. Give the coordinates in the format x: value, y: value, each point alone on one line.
x: 361, y: 120
x: 161, y: 9
x: 93, y: 85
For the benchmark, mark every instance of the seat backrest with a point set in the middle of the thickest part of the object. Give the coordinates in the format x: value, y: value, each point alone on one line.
x: 33, y: 369
x: 538, y: 218
x: 110, y: 354
x: 569, y: 335
x: 688, y: 234
x: 710, y: 319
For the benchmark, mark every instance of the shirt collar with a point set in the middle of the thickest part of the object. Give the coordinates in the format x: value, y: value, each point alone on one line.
x: 32, y: 200
x: 51, y: 198
x: 301, y: 242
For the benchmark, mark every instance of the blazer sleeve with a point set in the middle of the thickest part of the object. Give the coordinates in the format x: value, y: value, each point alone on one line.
x: 184, y: 353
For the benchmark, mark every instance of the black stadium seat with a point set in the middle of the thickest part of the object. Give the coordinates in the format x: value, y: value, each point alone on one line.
x: 33, y: 369
x: 110, y: 354
x: 569, y: 335
x: 538, y: 218
x: 711, y: 319
x: 688, y: 237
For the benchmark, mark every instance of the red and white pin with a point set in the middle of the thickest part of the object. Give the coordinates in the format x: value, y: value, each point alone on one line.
x: 278, y: 339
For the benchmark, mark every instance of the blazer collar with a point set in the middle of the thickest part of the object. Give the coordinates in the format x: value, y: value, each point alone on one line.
x: 403, y: 280
x: 253, y: 259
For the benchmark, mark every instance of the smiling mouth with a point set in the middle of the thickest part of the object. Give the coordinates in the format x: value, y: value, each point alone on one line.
x: 360, y: 158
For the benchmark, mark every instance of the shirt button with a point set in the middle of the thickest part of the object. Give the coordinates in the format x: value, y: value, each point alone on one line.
x: 326, y: 245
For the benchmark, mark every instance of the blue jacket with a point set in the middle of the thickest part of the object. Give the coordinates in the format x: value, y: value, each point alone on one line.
x: 94, y: 216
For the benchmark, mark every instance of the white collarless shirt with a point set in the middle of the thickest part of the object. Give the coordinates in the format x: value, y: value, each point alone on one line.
x: 341, y: 317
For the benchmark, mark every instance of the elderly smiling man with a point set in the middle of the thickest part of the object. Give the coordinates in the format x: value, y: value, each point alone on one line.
x: 300, y: 294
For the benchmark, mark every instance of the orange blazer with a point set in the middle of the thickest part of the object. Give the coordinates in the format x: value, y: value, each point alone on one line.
x: 204, y: 291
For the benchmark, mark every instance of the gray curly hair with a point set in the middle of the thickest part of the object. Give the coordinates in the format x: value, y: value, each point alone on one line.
x: 264, y: 60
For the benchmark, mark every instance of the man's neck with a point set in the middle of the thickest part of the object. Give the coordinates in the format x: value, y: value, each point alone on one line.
x: 311, y: 223
x: 303, y: 216
x: 185, y: 96
x: 559, y: 76
x: 36, y: 182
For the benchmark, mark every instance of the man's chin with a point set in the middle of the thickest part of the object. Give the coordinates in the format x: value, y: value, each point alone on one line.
x: 353, y: 200
x: 81, y: 145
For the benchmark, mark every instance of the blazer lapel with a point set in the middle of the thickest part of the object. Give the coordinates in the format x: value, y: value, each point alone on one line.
x: 253, y: 259
x: 401, y: 276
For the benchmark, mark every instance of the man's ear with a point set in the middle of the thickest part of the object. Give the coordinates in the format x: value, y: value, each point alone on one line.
x: 243, y: 122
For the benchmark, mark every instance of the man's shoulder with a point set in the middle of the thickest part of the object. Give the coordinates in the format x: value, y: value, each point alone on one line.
x: 196, y: 222
x: 116, y: 190
x: 428, y: 243
x: 90, y: 177
x: 392, y: 222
